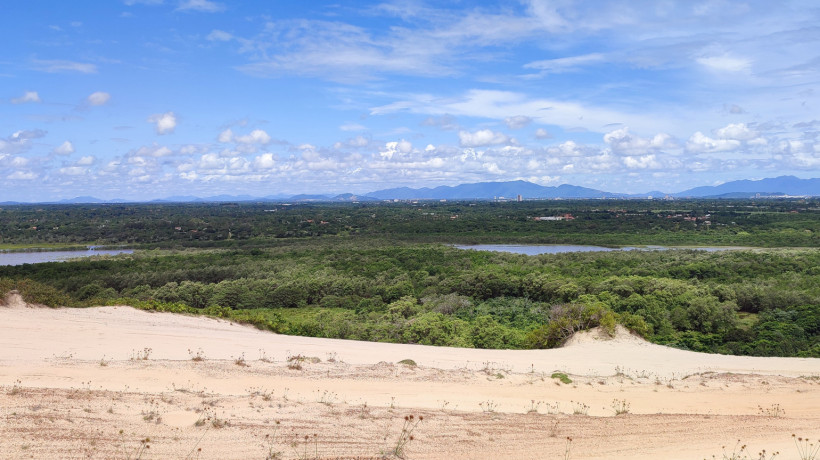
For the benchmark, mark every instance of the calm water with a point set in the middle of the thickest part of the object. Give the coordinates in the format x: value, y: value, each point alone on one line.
x: 534, y: 250
x: 20, y: 258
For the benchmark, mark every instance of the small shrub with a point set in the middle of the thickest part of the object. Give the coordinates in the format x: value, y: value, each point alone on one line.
x: 564, y: 378
x: 408, y: 362
x: 620, y: 406
x: 406, y: 435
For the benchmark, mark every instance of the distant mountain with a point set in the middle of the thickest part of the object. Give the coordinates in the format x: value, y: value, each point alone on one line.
x: 83, y: 199
x: 783, y: 185
x: 491, y: 190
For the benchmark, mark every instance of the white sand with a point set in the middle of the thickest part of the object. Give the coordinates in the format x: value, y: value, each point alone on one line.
x: 57, y: 353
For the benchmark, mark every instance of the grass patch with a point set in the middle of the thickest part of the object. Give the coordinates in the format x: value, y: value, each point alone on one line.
x: 564, y: 378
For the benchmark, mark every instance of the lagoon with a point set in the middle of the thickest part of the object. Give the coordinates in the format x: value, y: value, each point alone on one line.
x: 35, y: 257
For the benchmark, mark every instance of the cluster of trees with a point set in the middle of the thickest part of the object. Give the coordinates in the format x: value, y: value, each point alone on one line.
x: 751, y: 302
x: 759, y: 223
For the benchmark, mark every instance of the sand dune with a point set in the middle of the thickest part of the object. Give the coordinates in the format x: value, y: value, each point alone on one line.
x: 73, y: 378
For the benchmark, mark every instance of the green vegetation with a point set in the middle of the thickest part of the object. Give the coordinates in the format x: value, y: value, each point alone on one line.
x: 381, y: 273
x: 562, y: 377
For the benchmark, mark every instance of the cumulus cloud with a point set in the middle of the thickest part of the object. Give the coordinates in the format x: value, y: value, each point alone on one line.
x: 642, y: 162
x: 20, y: 141
x: 622, y: 141
x: 445, y: 122
x: 398, y: 149
x: 205, y: 6
x: 98, y: 98
x: 22, y: 175
x: 264, y: 161
x: 28, y: 96
x: 356, y: 142
x: 255, y: 137
x: 66, y: 148
x: 481, y: 138
x: 700, y: 143
x: 738, y: 131
x: 517, y: 122
x: 165, y: 122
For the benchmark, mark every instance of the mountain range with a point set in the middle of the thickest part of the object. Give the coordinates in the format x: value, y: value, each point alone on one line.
x: 771, y: 187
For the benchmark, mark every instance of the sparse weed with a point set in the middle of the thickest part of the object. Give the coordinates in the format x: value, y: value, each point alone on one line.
x: 741, y: 452
x: 141, y: 355
x: 104, y: 362
x: 408, y: 362
x: 304, y: 453
x: 240, y: 361
x: 325, y: 397
x: 197, y: 355
x: 579, y: 408
x: 270, y: 439
x: 774, y: 411
x: 568, y: 448
x: 406, y: 435
x: 16, y: 389
x: 806, y: 449
x: 620, y: 406
x: 488, y: 406
x: 533, y: 407
x: 263, y: 356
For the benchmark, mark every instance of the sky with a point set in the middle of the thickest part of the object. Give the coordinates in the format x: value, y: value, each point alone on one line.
x: 146, y: 99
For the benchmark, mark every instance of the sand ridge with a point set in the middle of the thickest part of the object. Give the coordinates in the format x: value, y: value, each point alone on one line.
x: 72, y: 378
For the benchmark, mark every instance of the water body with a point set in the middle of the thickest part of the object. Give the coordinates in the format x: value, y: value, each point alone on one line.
x: 36, y: 257
x: 536, y: 249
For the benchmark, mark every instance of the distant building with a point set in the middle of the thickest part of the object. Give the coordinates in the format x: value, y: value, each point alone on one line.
x: 520, y: 199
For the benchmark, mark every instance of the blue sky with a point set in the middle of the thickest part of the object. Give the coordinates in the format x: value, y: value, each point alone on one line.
x: 143, y: 99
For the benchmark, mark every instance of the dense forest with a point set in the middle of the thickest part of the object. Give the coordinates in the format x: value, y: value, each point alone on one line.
x: 382, y: 272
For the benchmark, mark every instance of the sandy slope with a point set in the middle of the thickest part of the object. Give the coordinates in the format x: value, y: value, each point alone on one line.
x: 73, y: 378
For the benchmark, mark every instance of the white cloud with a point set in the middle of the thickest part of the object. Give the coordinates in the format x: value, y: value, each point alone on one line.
x: 699, y: 143
x: 62, y: 66
x: 217, y: 35
x: 398, y: 149
x: 166, y: 122
x: 566, y: 64
x: 568, y: 149
x: 642, y: 162
x: 352, y: 127
x: 154, y: 151
x: 725, y: 63
x: 738, y: 131
x: 481, y: 138
x: 225, y: 136
x: 264, y: 161
x: 205, y: 6
x: 256, y: 137
x: 98, y: 98
x: 66, y: 148
x: 517, y: 122
x: 542, y: 133
x: 86, y: 161
x: 28, y: 96
x: 21, y: 175
x: 622, y: 141
x: 73, y: 171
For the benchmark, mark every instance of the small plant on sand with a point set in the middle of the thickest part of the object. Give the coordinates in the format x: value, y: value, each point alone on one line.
x: 620, y: 406
x: 533, y: 407
x: 488, y: 406
x: 774, y: 411
x: 304, y: 452
x: 197, y: 355
x: 562, y: 377
x: 741, y: 452
x: 104, y: 362
x: 240, y: 361
x: 16, y: 389
x: 152, y: 414
x: 142, y: 355
x: 328, y: 398
x: 408, y: 362
x: 806, y: 449
x: 579, y: 408
x: 553, y: 429
x: 270, y: 440
x: 406, y: 435
x: 568, y: 448
x: 263, y: 356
